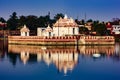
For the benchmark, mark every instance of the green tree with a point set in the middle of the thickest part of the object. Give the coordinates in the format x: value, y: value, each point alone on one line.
x: 44, y: 21
x: 94, y: 25
x: 12, y: 22
x: 90, y: 20
x: 83, y: 30
x: 32, y: 22
x: 57, y: 16
x: 82, y: 22
x: 2, y: 20
x: 22, y: 20
x: 115, y: 21
x: 100, y: 29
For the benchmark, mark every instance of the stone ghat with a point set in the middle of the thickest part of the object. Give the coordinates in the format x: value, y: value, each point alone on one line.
x: 62, y: 40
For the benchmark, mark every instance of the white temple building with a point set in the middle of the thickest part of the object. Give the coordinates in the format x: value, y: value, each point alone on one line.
x: 45, y: 31
x: 64, y: 26
x: 24, y: 31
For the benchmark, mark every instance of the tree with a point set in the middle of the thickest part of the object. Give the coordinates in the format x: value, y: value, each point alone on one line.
x: 90, y: 20
x: 82, y: 22
x: 32, y: 22
x: 22, y: 20
x: 115, y: 21
x: 83, y: 30
x: 94, y: 25
x: 2, y: 20
x: 12, y: 22
x: 43, y: 21
x: 3, y: 26
x: 57, y: 16
x: 100, y: 29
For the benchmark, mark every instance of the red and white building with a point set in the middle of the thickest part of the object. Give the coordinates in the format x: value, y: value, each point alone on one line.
x: 114, y: 29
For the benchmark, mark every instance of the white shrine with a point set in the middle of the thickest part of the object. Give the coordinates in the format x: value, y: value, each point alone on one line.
x: 24, y: 31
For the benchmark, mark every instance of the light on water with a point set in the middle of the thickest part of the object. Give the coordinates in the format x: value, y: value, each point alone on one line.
x: 96, y: 55
x: 18, y: 62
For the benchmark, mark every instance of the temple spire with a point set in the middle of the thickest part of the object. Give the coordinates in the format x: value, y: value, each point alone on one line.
x: 65, y: 17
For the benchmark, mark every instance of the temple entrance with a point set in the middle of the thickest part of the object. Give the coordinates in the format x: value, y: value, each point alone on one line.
x: 73, y: 30
x: 49, y: 33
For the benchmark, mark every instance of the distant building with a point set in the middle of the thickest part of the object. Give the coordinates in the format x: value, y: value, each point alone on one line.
x: 109, y: 26
x: 116, y: 29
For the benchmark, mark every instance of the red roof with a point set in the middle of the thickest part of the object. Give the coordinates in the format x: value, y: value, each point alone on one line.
x: 109, y: 25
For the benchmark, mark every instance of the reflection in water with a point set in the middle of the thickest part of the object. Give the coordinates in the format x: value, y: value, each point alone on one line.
x: 37, y: 62
x: 64, y: 58
x: 3, y: 47
x: 98, y: 50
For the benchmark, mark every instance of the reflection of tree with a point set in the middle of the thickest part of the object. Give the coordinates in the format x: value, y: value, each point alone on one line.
x: 116, y: 57
x: 32, y: 58
x: 1, y: 54
x: 12, y: 58
x: 3, y: 48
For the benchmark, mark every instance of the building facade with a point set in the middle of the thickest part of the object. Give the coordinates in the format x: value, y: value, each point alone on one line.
x: 45, y: 31
x: 65, y: 26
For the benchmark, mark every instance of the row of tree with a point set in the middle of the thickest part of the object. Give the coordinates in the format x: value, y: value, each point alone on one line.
x: 32, y: 21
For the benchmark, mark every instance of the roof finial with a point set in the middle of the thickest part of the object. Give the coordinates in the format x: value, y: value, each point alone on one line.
x: 65, y: 17
x: 24, y: 26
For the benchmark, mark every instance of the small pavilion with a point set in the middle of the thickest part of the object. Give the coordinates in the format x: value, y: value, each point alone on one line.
x: 24, y: 31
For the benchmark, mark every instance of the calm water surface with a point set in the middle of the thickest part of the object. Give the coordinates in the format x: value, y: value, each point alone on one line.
x: 20, y: 62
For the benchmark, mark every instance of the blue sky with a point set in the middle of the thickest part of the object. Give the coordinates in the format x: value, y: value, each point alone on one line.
x: 103, y: 10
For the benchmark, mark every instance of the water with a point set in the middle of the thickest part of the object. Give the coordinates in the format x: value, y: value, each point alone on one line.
x: 20, y: 62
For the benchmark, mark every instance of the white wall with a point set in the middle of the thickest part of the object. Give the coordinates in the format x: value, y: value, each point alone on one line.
x: 64, y: 31
x: 116, y: 29
x: 24, y: 33
x: 39, y: 32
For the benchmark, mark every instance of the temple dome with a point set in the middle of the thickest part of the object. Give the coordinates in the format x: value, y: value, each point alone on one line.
x: 24, y: 29
x: 65, y: 22
x: 48, y: 29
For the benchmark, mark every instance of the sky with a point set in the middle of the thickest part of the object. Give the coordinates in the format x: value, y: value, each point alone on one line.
x: 103, y: 10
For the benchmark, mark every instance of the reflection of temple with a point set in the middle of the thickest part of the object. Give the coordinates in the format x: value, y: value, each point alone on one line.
x: 24, y: 56
x: 65, y: 58
x: 63, y: 61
